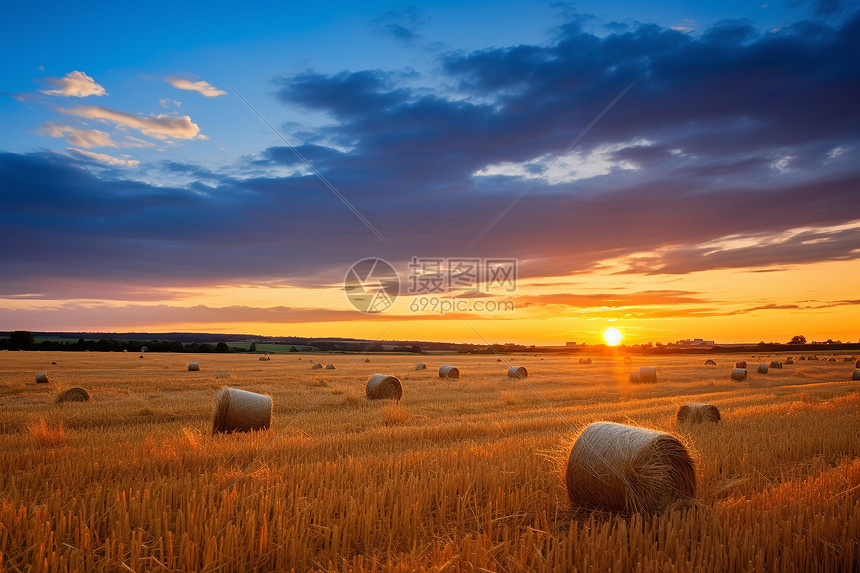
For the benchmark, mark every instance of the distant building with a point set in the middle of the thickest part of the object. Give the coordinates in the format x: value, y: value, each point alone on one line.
x: 570, y: 344
x: 694, y: 342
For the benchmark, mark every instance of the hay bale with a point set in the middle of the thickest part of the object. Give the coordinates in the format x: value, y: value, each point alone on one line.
x: 857, y: 365
x: 53, y: 363
x: 695, y: 413
x: 518, y: 372
x: 316, y: 366
x: 329, y: 366
x: 741, y: 364
x: 42, y: 378
x: 193, y: 367
x: 739, y: 374
x: 384, y: 387
x: 648, y: 375
x: 420, y: 366
x: 856, y: 374
x: 775, y: 364
x: 634, y: 377
x: 264, y: 358
x: 813, y: 357
x: 241, y: 411
x: 762, y: 368
x: 585, y: 360
x: 710, y: 362
x: 446, y: 371
x: 846, y: 359
x: 626, y: 469
x: 74, y: 395
x: 498, y: 359
x: 141, y: 356
x: 832, y: 359
x: 366, y: 360
x: 802, y: 358
x: 789, y: 360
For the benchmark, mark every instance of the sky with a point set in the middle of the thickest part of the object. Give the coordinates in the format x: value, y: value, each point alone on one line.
x: 532, y: 172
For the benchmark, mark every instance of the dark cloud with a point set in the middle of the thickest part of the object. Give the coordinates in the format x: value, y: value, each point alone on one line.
x: 401, y: 25
x: 731, y: 132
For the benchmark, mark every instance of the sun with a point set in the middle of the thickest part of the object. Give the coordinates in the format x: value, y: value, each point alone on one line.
x: 612, y: 336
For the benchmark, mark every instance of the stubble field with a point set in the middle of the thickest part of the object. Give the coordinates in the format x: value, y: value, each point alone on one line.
x: 460, y: 476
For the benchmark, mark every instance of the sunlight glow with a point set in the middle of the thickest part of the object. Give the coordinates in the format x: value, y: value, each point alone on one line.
x: 612, y: 336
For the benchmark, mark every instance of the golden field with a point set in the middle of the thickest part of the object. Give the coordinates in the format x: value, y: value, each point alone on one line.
x: 460, y: 476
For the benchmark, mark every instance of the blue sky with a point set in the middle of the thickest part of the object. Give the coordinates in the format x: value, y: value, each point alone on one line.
x: 733, y: 149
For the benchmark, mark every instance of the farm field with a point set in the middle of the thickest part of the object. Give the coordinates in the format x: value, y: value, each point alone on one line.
x: 461, y: 475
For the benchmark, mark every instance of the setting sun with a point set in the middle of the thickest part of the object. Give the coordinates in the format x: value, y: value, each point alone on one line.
x: 612, y: 336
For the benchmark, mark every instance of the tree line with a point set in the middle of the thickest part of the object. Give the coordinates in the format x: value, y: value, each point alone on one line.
x: 24, y: 340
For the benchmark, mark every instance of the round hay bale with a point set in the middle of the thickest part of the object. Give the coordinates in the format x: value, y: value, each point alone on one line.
x: 446, y: 371
x: 856, y: 374
x: 141, y: 356
x: 857, y: 365
x: 762, y: 368
x: 634, y: 377
x: 53, y: 363
x: 366, y: 360
x: 316, y: 366
x: 775, y: 364
x: 498, y: 359
x: 813, y: 357
x: 193, y: 367
x: 695, y: 413
x: 741, y: 364
x: 648, y: 375
x: 802, y: 358
x: 420, y: 366
x: 241, y: 411
x: 74, y: 395
x: 846, y: 359
x: 710, y: 362
x: 585, y: 360
x: 739, y: 374
x: 384, y: 387
x: 789, y: 360
x: 264, y: 358
x: 832, y: 359
x: 329, y: 366
x: 42, y: 378
x: 518, y: 372
x: 626, y: 469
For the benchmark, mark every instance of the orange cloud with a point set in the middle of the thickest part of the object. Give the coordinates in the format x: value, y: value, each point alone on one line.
x: 74, y: 84
x: 158, y: 127
x: 201, y: 87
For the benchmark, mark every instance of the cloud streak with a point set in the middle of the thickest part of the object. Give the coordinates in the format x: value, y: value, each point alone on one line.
x: 105, y: 158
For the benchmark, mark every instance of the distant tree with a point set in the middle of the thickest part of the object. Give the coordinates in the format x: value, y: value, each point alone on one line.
x: 293, y: 349
x: 416, y: 349
x: 253, y: 347
x: 799, y: 339
x: 222, y: 347
x: 21, y: 339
